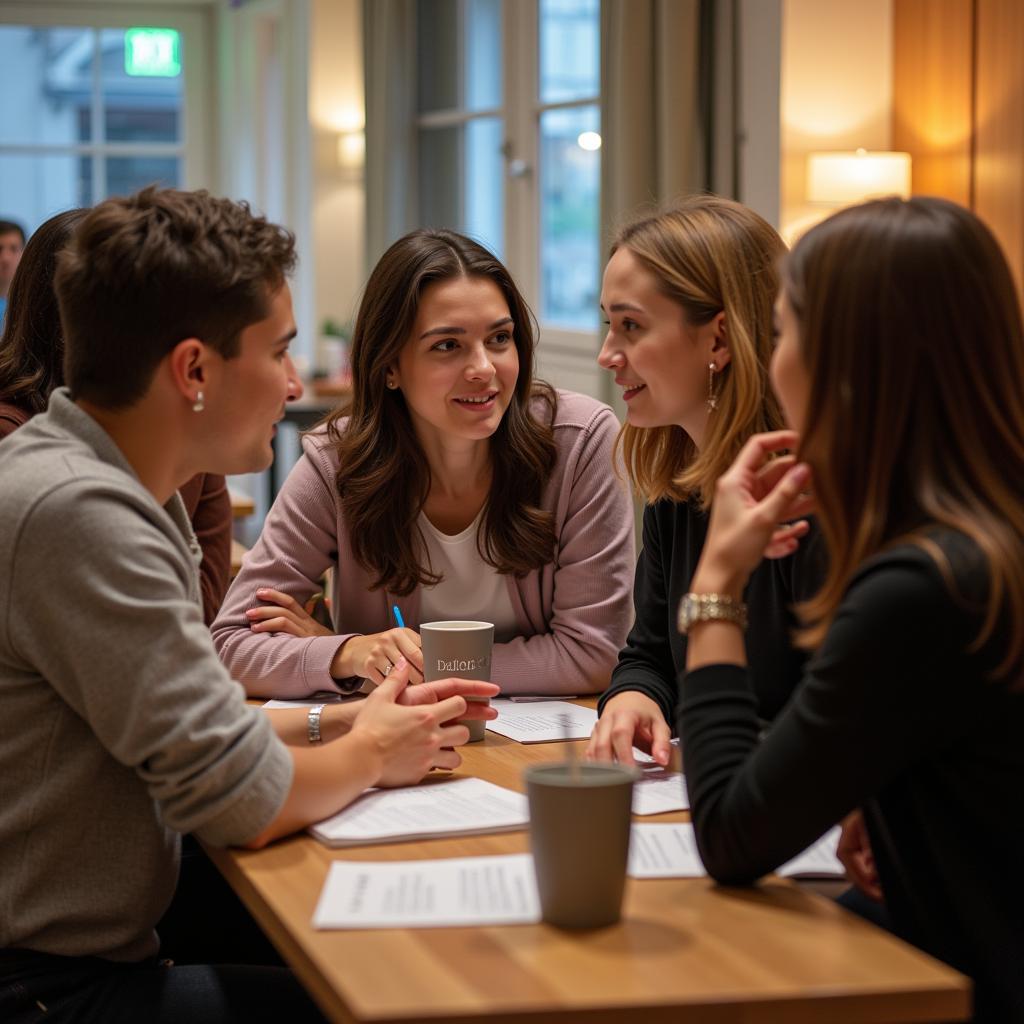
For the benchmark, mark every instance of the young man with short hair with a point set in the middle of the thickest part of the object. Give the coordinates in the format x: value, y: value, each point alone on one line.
x: 121, y: 729
x: 12, y: 242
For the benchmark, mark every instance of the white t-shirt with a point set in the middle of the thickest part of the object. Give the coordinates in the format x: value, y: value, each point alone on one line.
x: 471, y: 589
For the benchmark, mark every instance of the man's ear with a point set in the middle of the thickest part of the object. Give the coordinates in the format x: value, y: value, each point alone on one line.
x: 720, y: 341
x: 188, y: 364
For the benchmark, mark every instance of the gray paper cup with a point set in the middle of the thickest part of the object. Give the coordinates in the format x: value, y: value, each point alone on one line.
x: 579, y: 835
x: 462, y: 649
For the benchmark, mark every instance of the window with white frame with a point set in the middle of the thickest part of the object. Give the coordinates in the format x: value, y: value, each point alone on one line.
x: 95, y: 105
x: 508, y: 151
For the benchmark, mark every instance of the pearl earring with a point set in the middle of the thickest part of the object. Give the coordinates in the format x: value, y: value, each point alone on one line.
x: 198, y: 405
x: 392, y: 384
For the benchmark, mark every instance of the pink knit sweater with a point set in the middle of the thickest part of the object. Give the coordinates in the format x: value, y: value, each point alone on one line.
x: 573, y: 614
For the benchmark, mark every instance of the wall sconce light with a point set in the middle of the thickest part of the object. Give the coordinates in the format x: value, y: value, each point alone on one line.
x: 843, y: 178
x: 351, y: 150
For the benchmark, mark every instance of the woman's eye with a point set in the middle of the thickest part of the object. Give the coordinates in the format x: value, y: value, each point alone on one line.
x: 443, y: 346
x: 502, y: 337
x: 630, y: 325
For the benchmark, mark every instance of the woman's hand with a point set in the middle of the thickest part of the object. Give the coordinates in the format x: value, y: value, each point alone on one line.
x: 407, y: 741
x: 854, y: 851
x: 755, y: 501
x: 630, y: 719
x: 283, y: 614
x: 372, y: 656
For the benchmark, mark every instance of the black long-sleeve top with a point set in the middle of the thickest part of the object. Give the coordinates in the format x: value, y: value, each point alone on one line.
x: 655, y: 652
x: 896, y: 715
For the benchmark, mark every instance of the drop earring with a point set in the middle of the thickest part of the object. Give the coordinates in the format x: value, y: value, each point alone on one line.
x: 198, y: 405
x: 712, y: 397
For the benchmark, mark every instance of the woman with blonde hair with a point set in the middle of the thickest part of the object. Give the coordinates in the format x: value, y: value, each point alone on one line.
x: 900, y: 368
x: 688, y: 299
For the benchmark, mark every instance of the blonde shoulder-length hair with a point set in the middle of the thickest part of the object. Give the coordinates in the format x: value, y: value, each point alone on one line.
x: 709, y: 255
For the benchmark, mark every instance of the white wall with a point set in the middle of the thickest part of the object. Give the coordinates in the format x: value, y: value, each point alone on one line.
x: 836, y: 89
x: 335, y: 105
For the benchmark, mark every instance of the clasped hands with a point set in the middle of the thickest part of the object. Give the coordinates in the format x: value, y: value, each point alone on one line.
x: 371, y: 656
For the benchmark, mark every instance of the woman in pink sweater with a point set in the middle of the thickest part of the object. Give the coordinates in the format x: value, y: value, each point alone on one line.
x: 453, y: 485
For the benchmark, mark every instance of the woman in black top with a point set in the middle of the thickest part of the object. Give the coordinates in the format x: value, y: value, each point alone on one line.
x: 900, y: 367
x: 688, y: 298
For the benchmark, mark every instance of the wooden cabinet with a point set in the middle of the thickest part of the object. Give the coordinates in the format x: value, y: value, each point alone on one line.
x: 958, y: 108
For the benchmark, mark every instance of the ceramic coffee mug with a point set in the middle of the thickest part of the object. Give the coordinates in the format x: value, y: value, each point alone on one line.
x: 580, y: 817
x: 462, y: 649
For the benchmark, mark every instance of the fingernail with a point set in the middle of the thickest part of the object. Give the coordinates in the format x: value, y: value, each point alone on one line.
x: 250, y: 612
x: 261, y: 591
x: 401, y: 663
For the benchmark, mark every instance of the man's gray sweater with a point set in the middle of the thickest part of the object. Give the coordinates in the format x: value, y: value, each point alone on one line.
x: 119, y: 727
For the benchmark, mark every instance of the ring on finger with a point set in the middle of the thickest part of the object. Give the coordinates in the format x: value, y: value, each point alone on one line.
x: 387, y: 667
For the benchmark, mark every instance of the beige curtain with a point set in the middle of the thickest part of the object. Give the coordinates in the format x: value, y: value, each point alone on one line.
x: 389, y: 39
x: 651, y: 98
x: 656, y: 90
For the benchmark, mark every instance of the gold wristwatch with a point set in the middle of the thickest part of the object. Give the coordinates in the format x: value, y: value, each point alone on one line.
x: 709, y: 607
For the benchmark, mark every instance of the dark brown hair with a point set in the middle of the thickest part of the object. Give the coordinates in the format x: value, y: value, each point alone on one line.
x: 32, y: 345
x: 910, y: 330
x: 145, y: 272
x: 384, y: 478
x: 708, y: 254
x: 12, y: 227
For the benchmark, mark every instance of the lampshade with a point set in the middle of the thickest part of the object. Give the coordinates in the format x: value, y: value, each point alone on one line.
x: 852, y: 177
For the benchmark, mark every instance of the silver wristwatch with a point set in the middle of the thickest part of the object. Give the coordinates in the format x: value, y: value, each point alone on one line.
x: 695, y: 608
x: 313, y: 723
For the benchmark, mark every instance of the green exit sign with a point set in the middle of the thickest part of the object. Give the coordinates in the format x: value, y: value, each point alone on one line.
x: 152, y: 52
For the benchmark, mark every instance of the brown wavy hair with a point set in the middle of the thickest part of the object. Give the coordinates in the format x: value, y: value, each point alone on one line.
x: 709, y: 255
x: 32, y: 346
x: 384, y: 478
x: 910, y: 329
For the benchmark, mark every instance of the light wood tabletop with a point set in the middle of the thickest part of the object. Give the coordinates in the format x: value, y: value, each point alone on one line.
x: 686, y: 949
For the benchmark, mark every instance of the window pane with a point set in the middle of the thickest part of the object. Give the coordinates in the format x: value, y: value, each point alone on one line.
x: 142, y: 106
x: 483, y: 54
x: 34, y: 188
x: 458, y: 65
x: 47, y: 90
x: 485, y: 183
x: 461, y: 180
x: 569, y: 50
x: 570, y: 176
x: 437, y: 54
x: 440, y: 180
x: 127, y: 174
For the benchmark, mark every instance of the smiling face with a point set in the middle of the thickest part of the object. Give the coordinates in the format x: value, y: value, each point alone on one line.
x: 659, y: 360
x: 459, y: 368
x: 246, y: 394
x: 790, y: 380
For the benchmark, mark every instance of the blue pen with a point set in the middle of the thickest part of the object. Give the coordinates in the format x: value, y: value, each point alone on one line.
x: 398, y: 616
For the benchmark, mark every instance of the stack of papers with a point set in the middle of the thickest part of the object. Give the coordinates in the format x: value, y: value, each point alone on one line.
x: 429, y: 893
x: 659, y: 790
x: 459, y: 807
x: 670, y: 851
x: 542, y: 721
x: 498, y: 890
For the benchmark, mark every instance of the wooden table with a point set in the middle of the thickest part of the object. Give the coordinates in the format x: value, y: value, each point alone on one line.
x: 685, y: 951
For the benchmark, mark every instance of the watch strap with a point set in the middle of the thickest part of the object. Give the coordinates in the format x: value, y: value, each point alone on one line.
x: 313, y: 723
x: 694, y: 608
